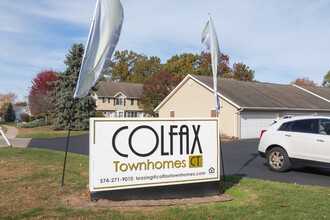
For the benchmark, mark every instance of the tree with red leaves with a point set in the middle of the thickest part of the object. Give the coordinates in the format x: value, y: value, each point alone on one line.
x: 156, y: 88
x: 303, y: 82
x: 38, y: 95
x: 205, y: 67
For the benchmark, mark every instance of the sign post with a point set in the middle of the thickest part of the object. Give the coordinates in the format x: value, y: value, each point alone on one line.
x: 144, y: 154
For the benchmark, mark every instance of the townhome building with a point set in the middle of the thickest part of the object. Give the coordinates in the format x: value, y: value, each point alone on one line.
x: 248, y: 107
x: 119, y: 100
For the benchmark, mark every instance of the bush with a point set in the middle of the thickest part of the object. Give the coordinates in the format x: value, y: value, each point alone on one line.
x: 32, y: 118
x: 99, y: 114
x: 51, y: 119
x: 25, y: 117
x: 32, y: 124
x: 40, y: 116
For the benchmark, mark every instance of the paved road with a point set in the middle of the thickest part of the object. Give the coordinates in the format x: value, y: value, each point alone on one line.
x: 78, y: 144
x: 241, y: 158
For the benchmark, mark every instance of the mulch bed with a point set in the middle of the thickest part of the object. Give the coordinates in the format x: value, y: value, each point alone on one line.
x: 82, y: 201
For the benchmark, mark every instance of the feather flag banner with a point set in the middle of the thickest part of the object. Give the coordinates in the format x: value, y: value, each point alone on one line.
x: 209, y: 38
x: 102, y: 40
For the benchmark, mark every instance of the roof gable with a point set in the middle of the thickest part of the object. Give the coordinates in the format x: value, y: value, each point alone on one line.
x: 172, y: 93
x: 120, y: 94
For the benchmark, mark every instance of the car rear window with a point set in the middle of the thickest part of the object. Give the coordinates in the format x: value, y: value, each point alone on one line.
x: 285, y: 126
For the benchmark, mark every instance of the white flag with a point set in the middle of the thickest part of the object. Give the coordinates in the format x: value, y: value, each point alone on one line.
x: 209, y: 38
x: 102, y: 40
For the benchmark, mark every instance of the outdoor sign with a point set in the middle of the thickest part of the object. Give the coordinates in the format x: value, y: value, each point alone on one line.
x: 131, y: 153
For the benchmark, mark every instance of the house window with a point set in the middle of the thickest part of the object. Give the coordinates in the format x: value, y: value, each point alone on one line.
x: 132, y: 101
x: 131, y: 114
x: 213, y: 113
x: 119, y: 114
x: 106, y: 100
x: 119, y: 101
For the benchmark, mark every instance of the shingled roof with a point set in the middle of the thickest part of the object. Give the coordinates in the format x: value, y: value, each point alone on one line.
x: 320, y: 91
x: 111, y: 89
x: 266, y: 95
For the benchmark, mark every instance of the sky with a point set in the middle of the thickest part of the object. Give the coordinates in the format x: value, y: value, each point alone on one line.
x: 281, y: 40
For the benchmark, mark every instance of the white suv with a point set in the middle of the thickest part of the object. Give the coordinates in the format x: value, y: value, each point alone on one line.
x: 303, y: 140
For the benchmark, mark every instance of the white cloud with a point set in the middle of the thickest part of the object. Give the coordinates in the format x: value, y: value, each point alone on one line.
x: 286, y: 37
x: 282, y: 40
x: 73, y: 11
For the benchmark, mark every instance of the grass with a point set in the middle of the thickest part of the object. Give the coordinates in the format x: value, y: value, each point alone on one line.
x: 30, y: 188
x: 43, y: 132
x: 8, y: 123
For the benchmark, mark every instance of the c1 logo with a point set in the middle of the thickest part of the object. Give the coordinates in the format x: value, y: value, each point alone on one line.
x: 195, y: 161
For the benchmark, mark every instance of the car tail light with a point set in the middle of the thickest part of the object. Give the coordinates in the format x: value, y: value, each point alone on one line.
x: 262, y: 132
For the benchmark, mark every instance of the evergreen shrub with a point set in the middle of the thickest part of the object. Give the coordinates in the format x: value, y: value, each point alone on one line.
x: 10, y: 114
x: 62, y: 96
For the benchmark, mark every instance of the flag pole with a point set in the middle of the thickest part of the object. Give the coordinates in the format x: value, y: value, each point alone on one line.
x: 68, y: 139
x: 210, y: 39
x: 74, y: 99
x: 102, y: 39
x: 221, y: 154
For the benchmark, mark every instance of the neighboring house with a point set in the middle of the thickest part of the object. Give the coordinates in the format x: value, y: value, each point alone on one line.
x: 118, y: 100
x: 248, y: 107
x: 21, y: 110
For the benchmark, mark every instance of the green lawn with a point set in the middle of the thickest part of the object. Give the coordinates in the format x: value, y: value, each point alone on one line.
x: 8, y: 123
x: 30, y: 182
x: 43, y: 132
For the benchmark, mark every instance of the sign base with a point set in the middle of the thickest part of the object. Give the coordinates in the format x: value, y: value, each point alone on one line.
x: 160, y: 192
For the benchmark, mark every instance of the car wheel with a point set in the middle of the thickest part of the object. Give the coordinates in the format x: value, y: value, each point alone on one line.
x: 278, y: 159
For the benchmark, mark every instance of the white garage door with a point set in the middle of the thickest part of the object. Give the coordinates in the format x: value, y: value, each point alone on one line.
x: 253, y: 123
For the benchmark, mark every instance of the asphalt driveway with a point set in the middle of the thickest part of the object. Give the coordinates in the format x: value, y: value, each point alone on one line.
x: 241, y: 158
x: 78, y: 144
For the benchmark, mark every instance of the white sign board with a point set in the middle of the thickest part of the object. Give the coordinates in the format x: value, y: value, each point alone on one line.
x: 131, y: 153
